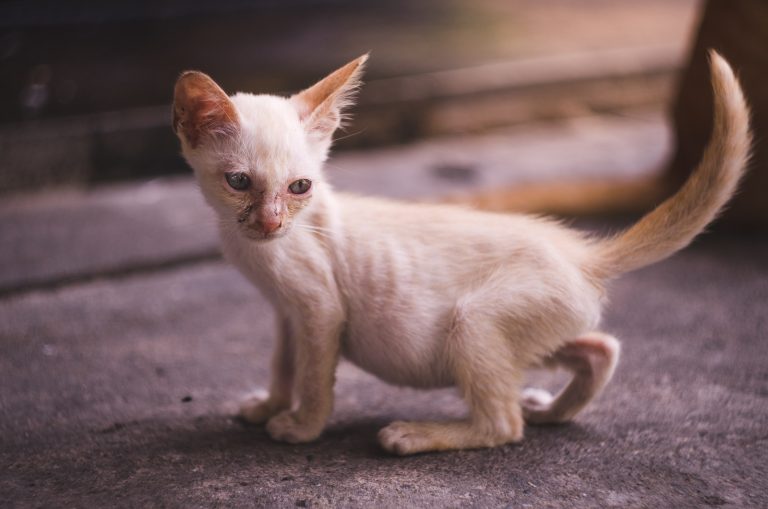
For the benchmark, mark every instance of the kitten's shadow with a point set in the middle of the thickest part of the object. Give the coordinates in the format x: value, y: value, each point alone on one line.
x: 568, y: 431
x: 230, y: 433
x: 224, y: 451
x: 214, y: 438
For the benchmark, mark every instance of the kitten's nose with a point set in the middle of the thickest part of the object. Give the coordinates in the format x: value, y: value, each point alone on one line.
x: 270, y: 224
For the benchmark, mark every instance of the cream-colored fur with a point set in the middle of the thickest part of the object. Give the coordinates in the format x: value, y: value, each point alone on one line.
x: 421, y: 295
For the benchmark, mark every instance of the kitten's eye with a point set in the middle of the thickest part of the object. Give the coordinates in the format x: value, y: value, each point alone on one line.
x: 238, y: 181
x: 300, y: 186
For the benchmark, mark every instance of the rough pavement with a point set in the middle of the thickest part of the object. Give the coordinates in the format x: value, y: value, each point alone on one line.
x: 118, y: 391
x: 122, y: 391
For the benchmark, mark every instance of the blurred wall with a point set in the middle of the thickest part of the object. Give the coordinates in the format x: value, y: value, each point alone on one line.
x: 86, y: 84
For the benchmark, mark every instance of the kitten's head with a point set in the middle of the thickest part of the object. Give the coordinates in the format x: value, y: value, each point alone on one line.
x: 258, y: 158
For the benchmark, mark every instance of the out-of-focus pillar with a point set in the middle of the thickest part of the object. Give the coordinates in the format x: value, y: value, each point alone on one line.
x: 738, y: 29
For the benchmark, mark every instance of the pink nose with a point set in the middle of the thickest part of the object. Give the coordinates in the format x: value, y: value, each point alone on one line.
x: 271, y: 224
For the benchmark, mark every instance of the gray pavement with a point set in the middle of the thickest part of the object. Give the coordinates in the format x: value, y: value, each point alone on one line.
x: 117, y: 385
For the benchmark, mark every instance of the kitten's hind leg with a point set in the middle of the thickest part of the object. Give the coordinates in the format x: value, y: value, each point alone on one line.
x: 592, y: 359
x: 485, y: 370
x: 259, y: 409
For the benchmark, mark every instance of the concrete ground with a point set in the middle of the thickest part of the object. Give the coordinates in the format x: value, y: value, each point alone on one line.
x: 125, y: 343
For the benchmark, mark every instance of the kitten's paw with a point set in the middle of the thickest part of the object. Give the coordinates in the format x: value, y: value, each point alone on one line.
x: 259, y: 409
x: 534, y: 399
x: 404, y: 438
x: 286, y: 427
x: 537, y: 406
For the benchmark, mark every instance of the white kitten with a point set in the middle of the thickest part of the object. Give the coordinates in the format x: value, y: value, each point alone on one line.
x: 420, y: 295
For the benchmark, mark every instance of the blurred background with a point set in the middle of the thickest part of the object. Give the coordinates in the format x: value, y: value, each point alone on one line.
x: 86, y: 85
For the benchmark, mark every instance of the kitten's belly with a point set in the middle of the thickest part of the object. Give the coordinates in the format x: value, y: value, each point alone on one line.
x: 405, y: 348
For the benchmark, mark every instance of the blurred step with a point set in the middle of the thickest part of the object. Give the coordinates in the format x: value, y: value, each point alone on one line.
x: 56, y: 237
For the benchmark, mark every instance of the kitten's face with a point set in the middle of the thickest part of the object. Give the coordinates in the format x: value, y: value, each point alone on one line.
x: 258, y: 158
x: 260, y: 177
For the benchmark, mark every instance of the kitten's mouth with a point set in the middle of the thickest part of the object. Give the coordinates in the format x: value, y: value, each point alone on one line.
x: 259, y: 235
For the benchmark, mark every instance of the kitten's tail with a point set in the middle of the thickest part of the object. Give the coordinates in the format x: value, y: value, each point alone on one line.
x: 673, y: 224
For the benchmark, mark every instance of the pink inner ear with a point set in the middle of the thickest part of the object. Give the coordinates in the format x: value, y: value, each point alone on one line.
x: 320, y: 105
x: 320, y: 121
x: 201, y: 109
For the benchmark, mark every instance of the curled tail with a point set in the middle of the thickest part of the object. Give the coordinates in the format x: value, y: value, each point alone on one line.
x: 673, y: 224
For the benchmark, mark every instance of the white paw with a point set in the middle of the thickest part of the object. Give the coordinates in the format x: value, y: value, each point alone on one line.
x: 405, y: 438
x: 285, y: 427
x: 536, y: 399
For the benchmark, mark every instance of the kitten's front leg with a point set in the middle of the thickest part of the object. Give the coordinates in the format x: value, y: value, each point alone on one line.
x: 258, y: 410
x: 316, y: 355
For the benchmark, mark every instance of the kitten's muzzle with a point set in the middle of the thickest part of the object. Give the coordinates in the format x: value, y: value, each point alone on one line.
x: 244, y: 216
x: 264, y: 220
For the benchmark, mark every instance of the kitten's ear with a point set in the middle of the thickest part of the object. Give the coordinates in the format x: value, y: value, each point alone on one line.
x: 320, y: 106
x: 201, y: 109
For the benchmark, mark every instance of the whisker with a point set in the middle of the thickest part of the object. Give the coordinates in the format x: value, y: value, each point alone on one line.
x: 311, y: 228
x: 323, y: 232
x: 339, y: 169
x: 349, y: 135
x: 315, y: 227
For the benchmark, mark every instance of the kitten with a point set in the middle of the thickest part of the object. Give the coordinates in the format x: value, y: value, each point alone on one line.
x: 420, y: 295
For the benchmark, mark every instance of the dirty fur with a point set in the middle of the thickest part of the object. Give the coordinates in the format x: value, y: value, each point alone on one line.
x: 421, y: 295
